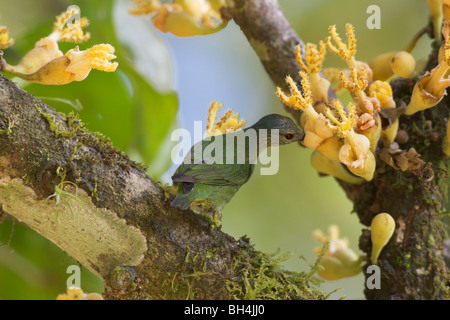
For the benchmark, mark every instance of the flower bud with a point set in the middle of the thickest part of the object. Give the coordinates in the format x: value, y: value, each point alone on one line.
x: 382, y: 228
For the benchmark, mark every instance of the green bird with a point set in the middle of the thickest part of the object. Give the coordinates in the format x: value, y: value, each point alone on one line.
x: 216, y: 167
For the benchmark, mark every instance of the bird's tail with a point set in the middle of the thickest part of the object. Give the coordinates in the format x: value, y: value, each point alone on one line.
x: 182, y: 201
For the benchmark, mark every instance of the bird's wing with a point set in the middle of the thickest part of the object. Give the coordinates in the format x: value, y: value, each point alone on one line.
x: 214, y: 174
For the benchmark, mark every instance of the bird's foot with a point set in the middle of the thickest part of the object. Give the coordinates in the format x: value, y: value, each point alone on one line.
x: 216, y: 221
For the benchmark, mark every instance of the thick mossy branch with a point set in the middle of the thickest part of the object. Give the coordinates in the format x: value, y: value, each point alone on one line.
x: 412, y: 264
x: 262, y: 279
x: 76, y: 189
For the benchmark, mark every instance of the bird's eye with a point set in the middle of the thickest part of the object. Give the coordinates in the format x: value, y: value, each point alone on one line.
x: 187, y: 187
x: 288, y: 136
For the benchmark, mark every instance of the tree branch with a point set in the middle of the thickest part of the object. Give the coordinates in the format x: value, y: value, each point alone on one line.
x: 270, y: 35
x: 77, y: 190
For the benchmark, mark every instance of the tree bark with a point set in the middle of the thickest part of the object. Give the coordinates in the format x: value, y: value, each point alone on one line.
x: 412, y: 265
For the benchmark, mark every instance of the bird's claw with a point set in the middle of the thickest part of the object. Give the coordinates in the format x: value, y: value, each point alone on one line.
x: 216, y: 221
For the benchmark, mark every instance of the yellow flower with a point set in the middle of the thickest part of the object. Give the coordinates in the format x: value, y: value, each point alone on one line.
x: 99, y: 57
x: 369, y: 123
x: 74, y: 293
x: 44, y: 51
x: 347, y: 50
x: 228, y: 123
x: 355, y: 153
x: 343, y: 124
x: 145, y: 7
x: 446, y: 9
x: 75, y: 65
x: 317, y: 134
x: 356, y: 85
x: 73, y: 32
x: 436, y: 16
x: 382, y: 91
x: 5, y: 40
x: 47, y: 48
x: 431, y: 88
x: 446, y: 14
x: 370, y: 126
x: 339, y: 261
x: 314, y: 59
x: 183, y: 18
x: 360, y: 73
x: 334, y: 168
x: 46, y: 64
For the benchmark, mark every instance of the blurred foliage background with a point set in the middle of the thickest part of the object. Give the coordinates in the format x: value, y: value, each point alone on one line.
x: 164, y: 82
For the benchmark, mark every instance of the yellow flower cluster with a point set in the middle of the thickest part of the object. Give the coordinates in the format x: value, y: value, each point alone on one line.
x: 339, y: 261
x: 228, y: 123
x: 74, y: 293
x: 341, y: 136
x: 345, y: 138
x: 46, y: 64
x: 63, y: 30
x: 431, y: 87
x: 183, y: 18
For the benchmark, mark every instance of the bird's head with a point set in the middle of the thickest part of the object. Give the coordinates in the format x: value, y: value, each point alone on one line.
x: 288, y: 131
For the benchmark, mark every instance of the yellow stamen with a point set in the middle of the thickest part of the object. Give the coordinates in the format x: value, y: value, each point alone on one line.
x: 437, y: 83
x: 99, y: 56
x: 297, y: 100
x: 314, y: 58
x: 382, y: 91
x: 145, y: 7
x: 343, y: 123
x: 347, y: 50
x: 72, y: 32
x: 212, y: 114
x: 228, y: 123
x: 5, y: 40
x: 358, y: 81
